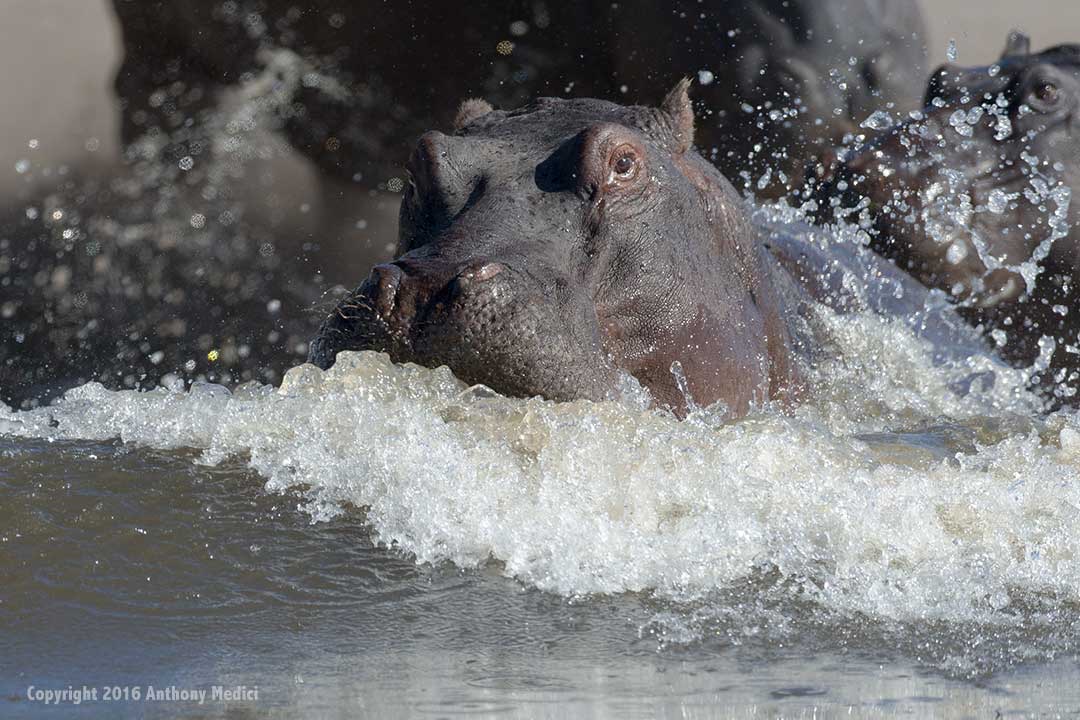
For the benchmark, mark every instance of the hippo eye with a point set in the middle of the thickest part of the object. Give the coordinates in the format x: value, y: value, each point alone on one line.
x: 625, y: 163
x: 1047, y: 94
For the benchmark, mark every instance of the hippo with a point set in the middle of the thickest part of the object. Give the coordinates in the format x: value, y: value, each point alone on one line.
x: 357, y: 82
x: 551, y: 249
x: 206, y: 262
x: 972, y: 196
x: 782, y: 80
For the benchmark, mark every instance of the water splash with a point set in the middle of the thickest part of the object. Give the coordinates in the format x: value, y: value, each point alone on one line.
x: 613, y: 497
x: 879, y: 120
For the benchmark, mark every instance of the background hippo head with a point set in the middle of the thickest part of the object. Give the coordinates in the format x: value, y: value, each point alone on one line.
x: 545, y: 249
x: 783, y: 80
x: 972, y: 194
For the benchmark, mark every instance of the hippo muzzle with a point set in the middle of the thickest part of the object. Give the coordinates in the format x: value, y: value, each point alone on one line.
x: 489, y: 322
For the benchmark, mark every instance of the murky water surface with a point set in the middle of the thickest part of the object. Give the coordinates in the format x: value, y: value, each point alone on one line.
x: 382, y: 538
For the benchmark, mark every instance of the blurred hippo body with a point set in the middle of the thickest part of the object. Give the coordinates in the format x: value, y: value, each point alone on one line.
x: 356, y: 83
x: 783, y: 80
x: 547, y: 249
x: 974, y: 196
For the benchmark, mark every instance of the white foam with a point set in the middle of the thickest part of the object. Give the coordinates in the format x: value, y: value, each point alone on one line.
x: 584, y: 497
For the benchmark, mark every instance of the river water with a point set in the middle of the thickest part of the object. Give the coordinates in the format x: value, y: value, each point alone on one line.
x: 382, y: 540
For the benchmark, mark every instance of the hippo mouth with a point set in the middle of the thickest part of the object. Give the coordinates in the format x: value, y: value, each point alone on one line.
x: 486, y: 322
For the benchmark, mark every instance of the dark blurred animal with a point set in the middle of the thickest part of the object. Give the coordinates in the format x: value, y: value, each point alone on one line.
x: 973, y: 195
x: 359, y: 80
x: 781, y: 80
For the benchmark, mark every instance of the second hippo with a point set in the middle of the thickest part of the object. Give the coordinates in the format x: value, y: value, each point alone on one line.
x: 973, y: 195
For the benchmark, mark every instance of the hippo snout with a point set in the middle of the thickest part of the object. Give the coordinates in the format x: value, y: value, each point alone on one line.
x: 394, y: 309
x: 397, y: 296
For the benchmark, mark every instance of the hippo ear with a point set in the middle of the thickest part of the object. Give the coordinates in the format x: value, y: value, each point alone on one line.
x: 469, y: 111
x: 1017, y: 44
x: 679, y: 113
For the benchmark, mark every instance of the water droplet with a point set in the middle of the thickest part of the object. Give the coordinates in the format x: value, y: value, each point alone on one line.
x: 879, y: 120
x: 705, y: 77
x: 998, y: 201
x: 765, y: 179
x: 956, y: 253
x: 187, y: 162
x: 950, y: 51
x: 1002, y: 128
x: 959, y: 122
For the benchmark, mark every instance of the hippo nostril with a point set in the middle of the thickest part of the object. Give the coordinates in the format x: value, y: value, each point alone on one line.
x: 387, y: 279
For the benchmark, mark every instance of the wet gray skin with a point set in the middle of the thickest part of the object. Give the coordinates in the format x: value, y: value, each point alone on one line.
x: 973, y: 197
x: 545, y: 249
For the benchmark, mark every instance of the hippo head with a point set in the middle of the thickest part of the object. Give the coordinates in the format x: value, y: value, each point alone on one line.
x: 544, y: 250
x: 972, y: 193
x: 809, y: 72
